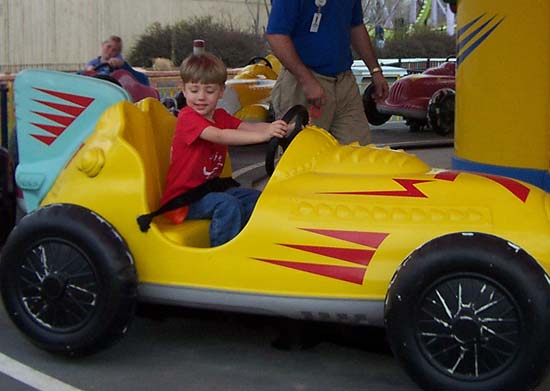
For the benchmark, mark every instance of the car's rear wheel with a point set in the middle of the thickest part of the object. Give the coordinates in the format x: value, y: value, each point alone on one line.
x: 441, y: 111
x: 470, y: 312
x: 67, y: 280
x: 369, y: 104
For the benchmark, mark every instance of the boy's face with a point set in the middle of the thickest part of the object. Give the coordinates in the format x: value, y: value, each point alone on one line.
x: 203, y: 97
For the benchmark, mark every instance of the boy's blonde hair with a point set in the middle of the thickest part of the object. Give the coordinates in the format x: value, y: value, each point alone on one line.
x: 203, y: 68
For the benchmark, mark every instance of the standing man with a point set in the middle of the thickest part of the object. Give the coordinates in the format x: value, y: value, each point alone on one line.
x: 313, y: 39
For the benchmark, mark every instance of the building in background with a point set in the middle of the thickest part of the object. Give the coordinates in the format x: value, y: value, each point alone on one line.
x: 65, y: 34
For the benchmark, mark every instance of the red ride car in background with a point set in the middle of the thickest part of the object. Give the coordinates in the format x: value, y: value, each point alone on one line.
x: 424, y: 99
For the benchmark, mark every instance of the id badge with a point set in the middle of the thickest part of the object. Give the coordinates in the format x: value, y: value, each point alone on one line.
x: 315, y: 22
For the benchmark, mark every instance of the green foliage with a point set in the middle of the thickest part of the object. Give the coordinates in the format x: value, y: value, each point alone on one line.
x: 175, y: 42
x: 422, y: 42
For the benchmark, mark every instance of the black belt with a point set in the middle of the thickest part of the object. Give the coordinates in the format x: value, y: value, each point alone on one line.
x: 217, y: 185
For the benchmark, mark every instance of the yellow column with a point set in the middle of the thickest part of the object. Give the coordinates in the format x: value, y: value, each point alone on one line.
x: 503, y: 91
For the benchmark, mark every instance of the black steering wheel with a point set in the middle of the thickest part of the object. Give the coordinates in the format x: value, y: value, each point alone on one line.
x: 258, y: 60
x: 277, y: 146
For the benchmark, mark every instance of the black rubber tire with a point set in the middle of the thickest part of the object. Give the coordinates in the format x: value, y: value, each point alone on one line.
x: 67, y: 280
x: 496, y: 339
x: 441, y: 112
x: 277, y: 146
x: 259, y: 59
x: 369, y: 105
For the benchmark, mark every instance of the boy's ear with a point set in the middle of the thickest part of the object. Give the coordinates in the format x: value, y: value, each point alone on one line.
x: 183, y: 91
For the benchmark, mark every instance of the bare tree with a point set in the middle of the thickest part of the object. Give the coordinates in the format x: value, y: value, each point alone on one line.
x: 383, y: 12
x: 254, y: 8
x: 376, y: 12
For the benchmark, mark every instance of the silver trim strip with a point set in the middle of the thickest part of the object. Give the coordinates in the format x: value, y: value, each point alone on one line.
x: 365, y: 312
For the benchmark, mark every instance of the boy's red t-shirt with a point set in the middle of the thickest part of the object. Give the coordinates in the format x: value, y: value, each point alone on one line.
x: 193, y: 160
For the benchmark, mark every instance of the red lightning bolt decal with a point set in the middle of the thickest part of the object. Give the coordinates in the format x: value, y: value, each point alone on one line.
x: 409, y: 186
x: 447, y: 175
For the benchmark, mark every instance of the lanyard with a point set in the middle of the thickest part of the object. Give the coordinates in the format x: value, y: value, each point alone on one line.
x: 320, y: 4
x: 316, y: 21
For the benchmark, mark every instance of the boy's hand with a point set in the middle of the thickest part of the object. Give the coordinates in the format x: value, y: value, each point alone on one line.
x: 277, y: 129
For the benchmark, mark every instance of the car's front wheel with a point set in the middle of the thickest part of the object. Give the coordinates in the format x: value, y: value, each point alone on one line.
x: 470, y: 312
x: 67, y: 280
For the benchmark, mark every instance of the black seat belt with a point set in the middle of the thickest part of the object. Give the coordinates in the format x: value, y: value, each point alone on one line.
x: 217, y: 185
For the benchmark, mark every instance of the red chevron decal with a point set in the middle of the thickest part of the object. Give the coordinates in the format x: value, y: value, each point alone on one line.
x: 515, y: 187
x: 79, y: 100
x: 72, y: 111
x: 361, y: 257
x: 344, y: 273
x: 408, y: 184
x: 48, y: 140
x: 60, y: 119
x: 57, y: 130
x: 349, y: 274
x: 370, y: 239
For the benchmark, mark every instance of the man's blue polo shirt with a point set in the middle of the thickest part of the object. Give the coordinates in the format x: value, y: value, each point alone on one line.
x: 328, y: 50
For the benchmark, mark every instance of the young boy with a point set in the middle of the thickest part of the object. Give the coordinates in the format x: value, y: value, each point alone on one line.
x: 199, y: 149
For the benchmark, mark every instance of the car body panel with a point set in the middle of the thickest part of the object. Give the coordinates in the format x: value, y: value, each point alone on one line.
x: 409, y: 97
x: 52, y: 125
x: 333, y: 222
x: 332, y: 226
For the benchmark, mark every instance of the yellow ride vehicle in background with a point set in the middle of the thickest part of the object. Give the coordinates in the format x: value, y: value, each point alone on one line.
x: 453, y: 264
x: 248, y: 94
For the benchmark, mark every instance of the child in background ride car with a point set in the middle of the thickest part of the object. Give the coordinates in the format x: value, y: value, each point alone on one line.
x: 199, y: 149
x: 110, y: 57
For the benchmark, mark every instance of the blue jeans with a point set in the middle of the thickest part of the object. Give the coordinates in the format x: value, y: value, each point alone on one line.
x: 228, y: 211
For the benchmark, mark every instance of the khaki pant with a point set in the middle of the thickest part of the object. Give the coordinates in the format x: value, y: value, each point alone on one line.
x: 343, y: 114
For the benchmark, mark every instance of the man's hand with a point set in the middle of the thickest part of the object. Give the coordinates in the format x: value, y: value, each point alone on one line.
x: 381, y: 88
x: 314, y: 92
